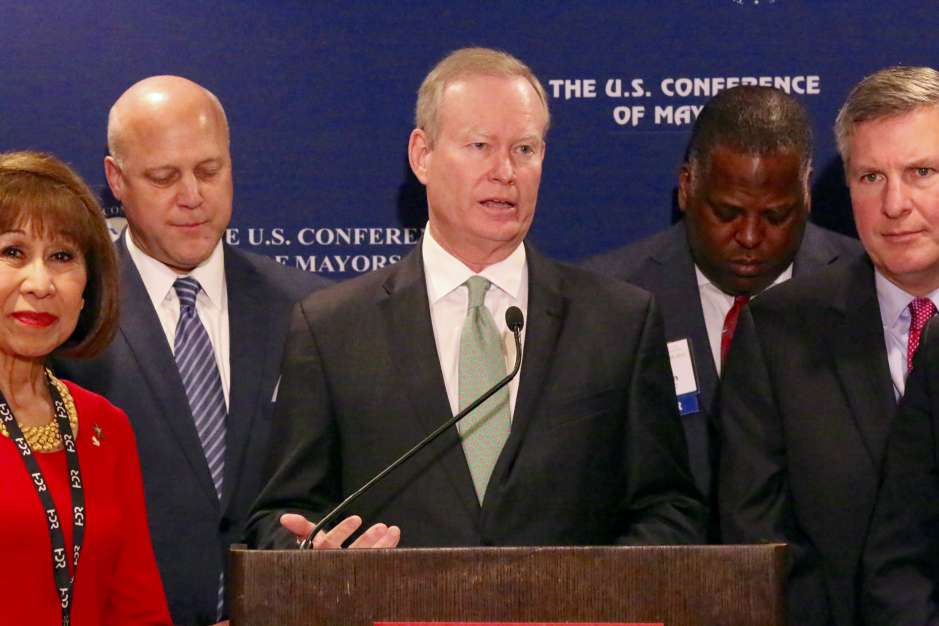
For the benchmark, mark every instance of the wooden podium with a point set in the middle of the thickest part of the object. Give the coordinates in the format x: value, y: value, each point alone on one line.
x: 675, y: 586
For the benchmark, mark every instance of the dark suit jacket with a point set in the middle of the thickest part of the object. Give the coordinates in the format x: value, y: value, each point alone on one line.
x: 595, y: 455
x: 901, y: 558
x: 662, y: 264
x: 805, y: 408
x: 191, y: 531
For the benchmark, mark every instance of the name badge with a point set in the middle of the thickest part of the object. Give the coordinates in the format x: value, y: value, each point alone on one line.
x: 686, y: 384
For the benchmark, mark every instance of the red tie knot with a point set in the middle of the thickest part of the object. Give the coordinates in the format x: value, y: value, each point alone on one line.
x: 921, y: 309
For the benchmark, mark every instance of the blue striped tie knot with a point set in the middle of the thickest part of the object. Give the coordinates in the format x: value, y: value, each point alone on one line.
x: 187, y: 288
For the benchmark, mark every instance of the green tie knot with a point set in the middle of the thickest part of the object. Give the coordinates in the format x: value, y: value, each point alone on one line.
x: 477, y: 286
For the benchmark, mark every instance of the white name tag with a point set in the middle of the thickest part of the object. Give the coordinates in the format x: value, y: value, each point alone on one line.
x: 679, y: 353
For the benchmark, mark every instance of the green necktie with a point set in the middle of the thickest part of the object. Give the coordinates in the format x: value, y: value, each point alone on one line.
x: 482, y: 365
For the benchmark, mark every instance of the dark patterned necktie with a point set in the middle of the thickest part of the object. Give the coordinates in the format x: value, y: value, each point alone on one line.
x: 921, y: 309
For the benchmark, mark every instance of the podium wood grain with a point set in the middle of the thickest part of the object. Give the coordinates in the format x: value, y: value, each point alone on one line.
x: 676, y: 586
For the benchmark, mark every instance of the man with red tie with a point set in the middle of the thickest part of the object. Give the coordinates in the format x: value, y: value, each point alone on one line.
x: 811, y: 382
x: 744, y: 193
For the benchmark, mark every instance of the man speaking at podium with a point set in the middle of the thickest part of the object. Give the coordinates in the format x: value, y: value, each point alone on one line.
x: 583, y: 447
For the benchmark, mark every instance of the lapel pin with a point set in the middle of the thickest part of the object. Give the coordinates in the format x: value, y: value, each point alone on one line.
x: 97, y: 438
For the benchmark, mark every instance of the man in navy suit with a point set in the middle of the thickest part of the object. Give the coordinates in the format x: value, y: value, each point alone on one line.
x: 810, y: 387
x: 744, y: 193
x: 170, y: 167
x: 585, y: 447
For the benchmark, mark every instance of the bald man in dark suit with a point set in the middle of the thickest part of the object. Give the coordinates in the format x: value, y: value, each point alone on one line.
x: 170, y: 167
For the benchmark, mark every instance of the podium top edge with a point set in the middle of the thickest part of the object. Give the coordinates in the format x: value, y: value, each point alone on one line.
x: 755, y: 548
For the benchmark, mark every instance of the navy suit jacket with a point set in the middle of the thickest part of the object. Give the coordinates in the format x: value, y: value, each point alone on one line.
x: 806, y: 404
x: 595, y: 454
x: 191, y: 530
x: 662, y: 264
x: 901, y: 557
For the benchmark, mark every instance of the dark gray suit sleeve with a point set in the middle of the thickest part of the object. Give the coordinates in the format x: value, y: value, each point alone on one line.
x: 902, y: 553
x: 302, y: 469
x: 755, y: 503
x: 662, y: 505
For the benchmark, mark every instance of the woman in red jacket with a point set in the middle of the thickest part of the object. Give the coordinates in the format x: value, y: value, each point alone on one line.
x: 74, y: 543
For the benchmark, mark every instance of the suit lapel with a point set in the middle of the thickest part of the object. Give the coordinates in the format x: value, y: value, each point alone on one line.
x: 248, y: 318
x: 546, y: 309
x: 677, y: 296
x: 858, y: 340
x: 406, y: 313
x: 141, y: 329
x: 814, y: 252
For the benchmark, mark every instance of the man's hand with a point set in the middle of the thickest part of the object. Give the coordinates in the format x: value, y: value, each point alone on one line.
x: 378, y: 536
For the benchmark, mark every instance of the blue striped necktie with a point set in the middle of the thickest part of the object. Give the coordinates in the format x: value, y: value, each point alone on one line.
x: 195, y: 360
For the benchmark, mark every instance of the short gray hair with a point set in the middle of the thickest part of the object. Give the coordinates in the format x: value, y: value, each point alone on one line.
x: 890, y: 92
x: 460, y: 64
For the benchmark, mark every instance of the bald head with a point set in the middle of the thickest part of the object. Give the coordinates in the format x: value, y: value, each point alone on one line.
x: 170, y: 168
x: 151, y: 105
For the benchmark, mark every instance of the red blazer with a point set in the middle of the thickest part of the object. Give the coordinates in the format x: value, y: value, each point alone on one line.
x: 117, y: 580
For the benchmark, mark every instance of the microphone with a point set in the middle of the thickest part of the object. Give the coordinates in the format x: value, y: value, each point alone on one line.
x: 515, y: 321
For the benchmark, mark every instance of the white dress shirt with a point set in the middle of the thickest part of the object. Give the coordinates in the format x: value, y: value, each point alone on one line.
x: 449, y: 298
x: 211, y: 303
x: 895, y: 316
x: 716, y: 304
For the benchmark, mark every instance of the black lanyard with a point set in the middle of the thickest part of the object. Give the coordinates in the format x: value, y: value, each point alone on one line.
x: 63, y: 581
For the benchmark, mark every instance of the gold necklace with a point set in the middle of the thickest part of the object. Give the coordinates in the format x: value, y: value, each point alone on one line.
x: 46, y: 438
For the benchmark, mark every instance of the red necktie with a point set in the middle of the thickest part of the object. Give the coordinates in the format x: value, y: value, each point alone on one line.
x: 730, y: 324
x: 921, y: 309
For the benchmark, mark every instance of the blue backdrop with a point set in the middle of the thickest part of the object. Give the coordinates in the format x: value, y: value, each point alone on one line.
x: 320, y: 98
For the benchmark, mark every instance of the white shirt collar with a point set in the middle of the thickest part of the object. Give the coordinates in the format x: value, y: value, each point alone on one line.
x: 894, y: 301
x: 445, y: 272
x: 704, y: 281
x: 158, y: 279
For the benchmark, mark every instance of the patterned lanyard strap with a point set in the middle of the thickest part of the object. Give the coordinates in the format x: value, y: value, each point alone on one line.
x: 63, y: 581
